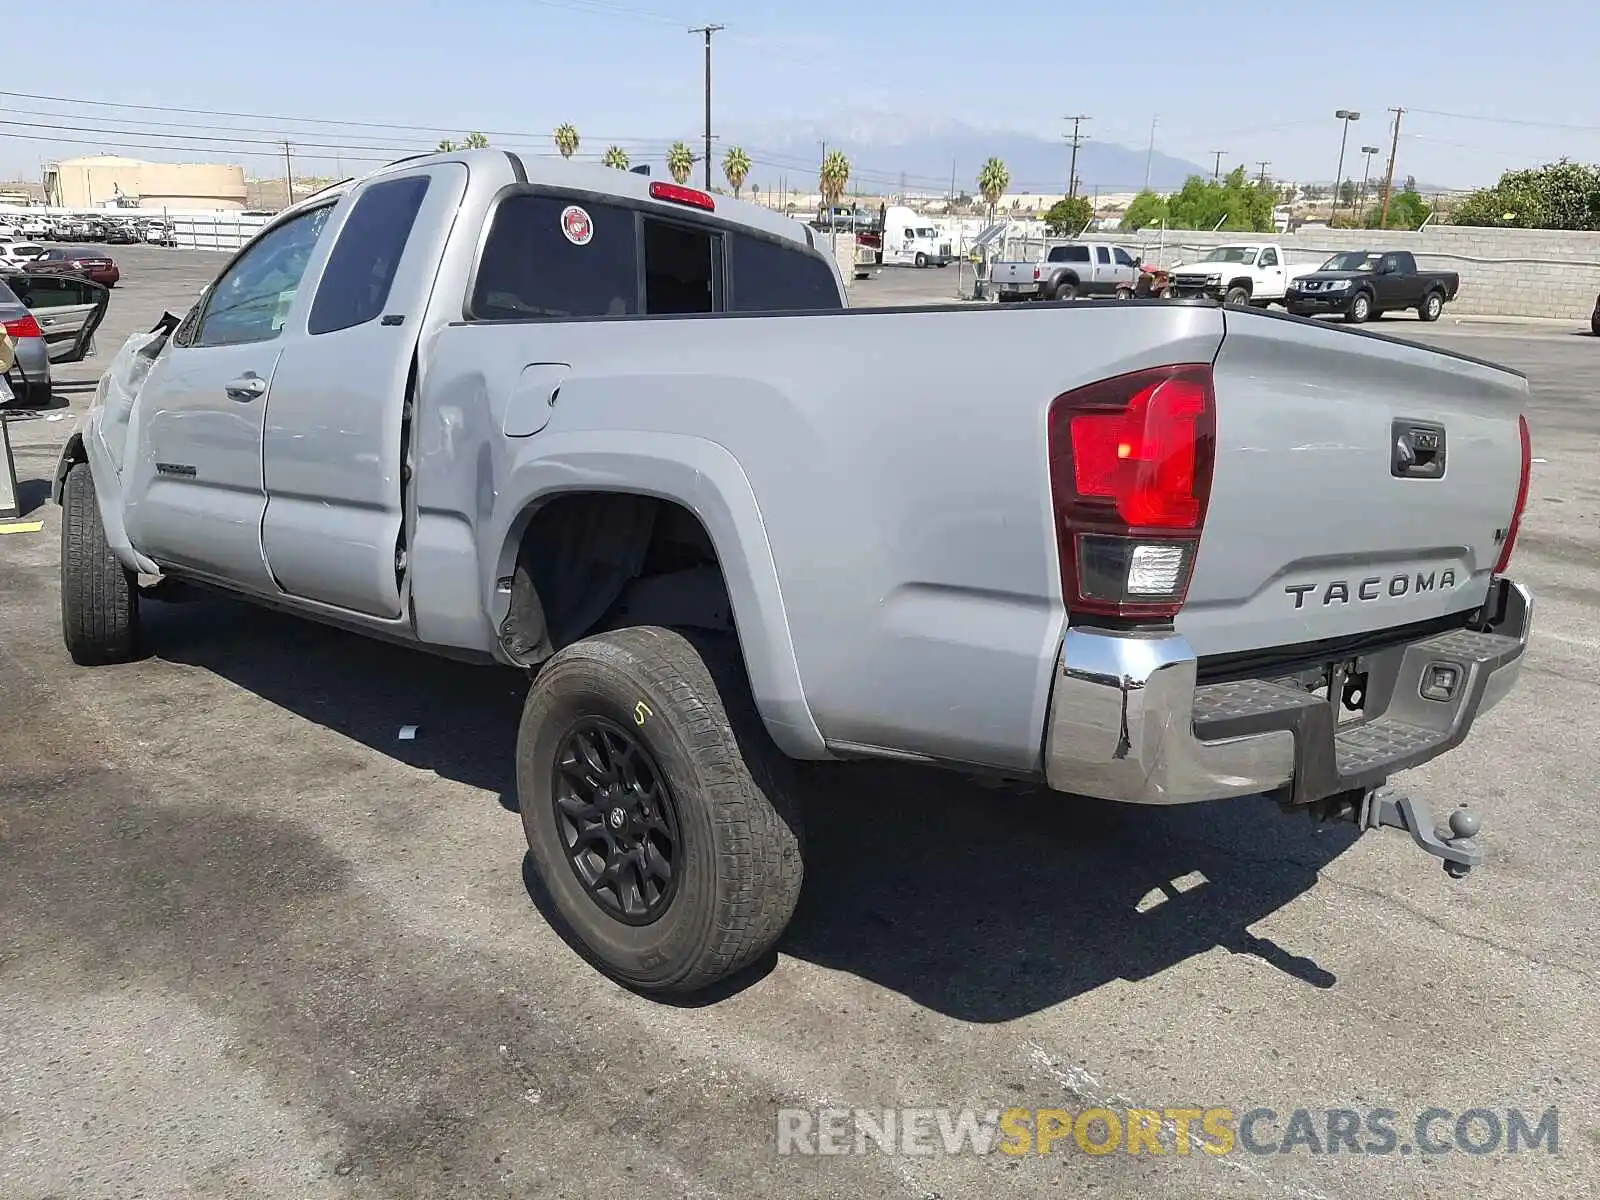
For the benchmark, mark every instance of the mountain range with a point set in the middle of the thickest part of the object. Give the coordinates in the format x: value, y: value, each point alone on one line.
x: 889, y: 153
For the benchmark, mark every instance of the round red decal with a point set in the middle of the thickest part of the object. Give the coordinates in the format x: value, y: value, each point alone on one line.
x: 577, y: 226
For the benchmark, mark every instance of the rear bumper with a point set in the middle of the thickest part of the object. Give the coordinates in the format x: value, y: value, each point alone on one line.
x: 1129, y: 722
x: 1031, y: 288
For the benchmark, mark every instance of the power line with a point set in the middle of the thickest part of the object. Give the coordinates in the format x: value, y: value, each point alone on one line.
x: 1453, y: 116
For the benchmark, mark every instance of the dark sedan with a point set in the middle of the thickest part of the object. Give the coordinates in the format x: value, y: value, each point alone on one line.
x: 94, y: 265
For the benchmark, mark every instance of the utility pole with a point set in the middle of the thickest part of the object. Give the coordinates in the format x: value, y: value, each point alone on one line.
x: 1388, y: 182
x: 288, y: 170
x: 1216, y: 169
x: 708, y: 30
x: 951, y: 203
x: 1150, y: 153
x: 1077, y: 140
x: 1263, y: 163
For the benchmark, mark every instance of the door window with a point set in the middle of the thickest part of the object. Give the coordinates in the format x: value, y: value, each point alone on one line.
x: 768, y: 276
x: 1124, y: 259
x: 355, y: 285
x: 251, y: 300
x: 52, y: 291
x: 1269, y: 258
x: 547, y: 256
x: 680, y: 268
x: 1102, y: 255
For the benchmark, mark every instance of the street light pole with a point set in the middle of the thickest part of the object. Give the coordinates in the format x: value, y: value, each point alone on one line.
x: 1346, y: 115
x: 1366, y: 173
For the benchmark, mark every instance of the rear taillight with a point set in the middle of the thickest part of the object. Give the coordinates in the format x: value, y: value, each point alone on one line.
x: 1130, y: 475
x: 24, y: 327
x: 1036, y: 272
x: 1507, y: 546
x: 678, y: 194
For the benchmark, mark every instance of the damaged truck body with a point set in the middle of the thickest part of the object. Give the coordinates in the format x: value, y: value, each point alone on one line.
x: 628, y: 437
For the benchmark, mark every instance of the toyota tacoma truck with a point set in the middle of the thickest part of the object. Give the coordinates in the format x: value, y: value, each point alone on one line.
x: 1247, y: 273
x: 627, y: 437
x: 1362, y: 284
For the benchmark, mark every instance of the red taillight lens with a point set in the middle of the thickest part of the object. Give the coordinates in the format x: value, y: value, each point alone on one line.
x: 1036, y: 272
x: 678, y: 194
x: 1130, y: 475
x: 24, y: 327
x: 1507, y: 546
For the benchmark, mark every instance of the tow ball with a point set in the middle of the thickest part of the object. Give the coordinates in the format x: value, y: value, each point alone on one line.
x: 1455, y: 843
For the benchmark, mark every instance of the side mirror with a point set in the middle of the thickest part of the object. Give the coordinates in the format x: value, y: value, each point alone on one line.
x: 1138, y: 260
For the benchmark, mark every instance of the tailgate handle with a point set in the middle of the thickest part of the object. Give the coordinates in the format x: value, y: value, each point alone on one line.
x: 1417, y: 450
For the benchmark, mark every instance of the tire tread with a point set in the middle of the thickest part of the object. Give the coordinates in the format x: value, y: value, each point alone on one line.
x: 99, y: 601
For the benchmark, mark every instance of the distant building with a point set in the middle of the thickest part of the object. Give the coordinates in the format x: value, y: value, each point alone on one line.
x: 109, y: 181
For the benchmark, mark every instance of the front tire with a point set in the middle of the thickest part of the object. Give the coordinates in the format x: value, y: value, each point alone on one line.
x: 921, y: 260
x: 99, y: 598
x: 1431, y: 307
x: 1360, y: 309
x: 656, y: 809
x: 1237, y: 297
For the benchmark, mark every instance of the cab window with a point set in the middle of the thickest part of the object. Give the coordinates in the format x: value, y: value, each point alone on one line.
x: 251, y: 301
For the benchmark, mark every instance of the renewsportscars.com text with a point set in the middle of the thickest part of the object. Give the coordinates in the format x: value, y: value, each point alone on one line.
x: 1163, y: 1131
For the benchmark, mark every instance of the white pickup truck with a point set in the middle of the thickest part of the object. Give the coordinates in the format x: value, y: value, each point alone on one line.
x: 1242, y: 273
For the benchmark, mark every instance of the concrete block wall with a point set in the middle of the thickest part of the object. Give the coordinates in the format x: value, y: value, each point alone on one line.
x: 1504, y: 272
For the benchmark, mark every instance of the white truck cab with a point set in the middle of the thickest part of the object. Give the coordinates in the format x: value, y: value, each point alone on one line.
x: 912, y: 240
x: 1255, y: 273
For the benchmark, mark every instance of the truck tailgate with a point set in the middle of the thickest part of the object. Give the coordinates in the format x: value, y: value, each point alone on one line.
x: 1316, y: 528
x: 1010, y: 272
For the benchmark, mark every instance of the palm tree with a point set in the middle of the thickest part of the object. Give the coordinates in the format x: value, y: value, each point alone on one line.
x: 833, y: 177
x: 993, y: 180
x: 680, y: 162
x: 446, y: 145
x: 567, y: 139
x: 736, y: 165
x: 615, y: 156
x: 475, y: 141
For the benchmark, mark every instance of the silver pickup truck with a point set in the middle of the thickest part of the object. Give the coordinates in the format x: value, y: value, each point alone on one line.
x: 625, y: 436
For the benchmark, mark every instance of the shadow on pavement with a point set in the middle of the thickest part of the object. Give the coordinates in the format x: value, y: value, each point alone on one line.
x: 985, y: 904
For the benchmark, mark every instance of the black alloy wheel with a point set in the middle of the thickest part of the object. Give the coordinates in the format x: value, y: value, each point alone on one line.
x: 617, y: 821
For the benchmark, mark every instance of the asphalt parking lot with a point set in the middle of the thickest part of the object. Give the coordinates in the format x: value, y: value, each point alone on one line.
x: 253, y: 945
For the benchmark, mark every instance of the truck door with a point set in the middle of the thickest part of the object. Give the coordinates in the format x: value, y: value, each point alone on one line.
x: 1104, y: 276
x: 1272, y: 279
x: 335, y: 442
x: 1391, y: 285
x: 194, y: 497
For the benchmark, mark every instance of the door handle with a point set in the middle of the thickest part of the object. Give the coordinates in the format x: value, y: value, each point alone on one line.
x: 246, y: 388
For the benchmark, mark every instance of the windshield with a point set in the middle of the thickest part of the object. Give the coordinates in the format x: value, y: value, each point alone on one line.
x: 1353, y: 260
x: 1232, y: 254
x: 926, y: 233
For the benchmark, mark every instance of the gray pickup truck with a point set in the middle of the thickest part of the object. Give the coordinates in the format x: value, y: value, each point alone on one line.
x: 625, y: 436
x: 1068, y: 272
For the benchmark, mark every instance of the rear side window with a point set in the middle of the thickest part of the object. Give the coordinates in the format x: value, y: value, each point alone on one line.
x: 544, y: 260
x: 355, y: 285
x: 1070, y: 254
x: 770, y: 277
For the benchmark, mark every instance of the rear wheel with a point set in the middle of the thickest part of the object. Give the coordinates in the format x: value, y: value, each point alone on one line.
x: 656, y: 810
x: 99, y: 598
x: 1066, y: 289
x: 1432, y: 305
x: 1237, y: 296
x: 1360, y: 309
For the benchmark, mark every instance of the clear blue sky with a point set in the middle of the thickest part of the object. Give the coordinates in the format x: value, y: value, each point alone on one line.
x: 627, y: 70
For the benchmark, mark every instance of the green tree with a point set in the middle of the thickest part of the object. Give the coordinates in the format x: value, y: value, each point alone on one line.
x: 1147, y: 208
x: 566, y: 136
x: 1068, y: 217
x: 1347, y: 192
x: 1313, y: 191
x: 994, y: 177
x: 1410, y: 184
x: 615, y: 156
x: 1288, y: 192
x: 1558, y: 195
x: 680, y: 162
x: 735, y: 166
x: 476, y: 141
x: 1233, y: 202
x: 446, y: 145
x: 833, y: 177
x: 1407, y: 210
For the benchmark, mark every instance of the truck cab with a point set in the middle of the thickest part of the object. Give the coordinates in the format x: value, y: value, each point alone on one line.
x: 1239, y: 273
x: 912, y: 240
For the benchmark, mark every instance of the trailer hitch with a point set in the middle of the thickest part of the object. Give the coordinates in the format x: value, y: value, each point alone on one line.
x: 1454, y: 843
